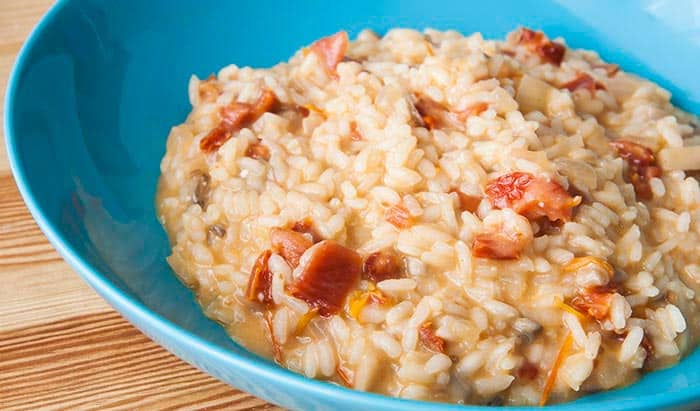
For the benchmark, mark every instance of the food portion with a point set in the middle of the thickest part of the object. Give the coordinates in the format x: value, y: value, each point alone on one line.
x: 441, y: 217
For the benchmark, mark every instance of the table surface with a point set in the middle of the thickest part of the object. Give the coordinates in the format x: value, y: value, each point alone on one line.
x: 61, y: 345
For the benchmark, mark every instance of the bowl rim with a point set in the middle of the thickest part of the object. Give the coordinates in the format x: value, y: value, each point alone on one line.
x: 135, y: 311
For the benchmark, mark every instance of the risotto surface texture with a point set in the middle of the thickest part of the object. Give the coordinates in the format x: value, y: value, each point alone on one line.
x: 441, y: 217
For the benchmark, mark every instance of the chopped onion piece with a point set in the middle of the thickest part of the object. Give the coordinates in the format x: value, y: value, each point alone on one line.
x: 679, y: 158
x: 533, y: 94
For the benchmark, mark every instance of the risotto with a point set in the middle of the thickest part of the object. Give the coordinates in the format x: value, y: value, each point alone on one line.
x: 440, y: 217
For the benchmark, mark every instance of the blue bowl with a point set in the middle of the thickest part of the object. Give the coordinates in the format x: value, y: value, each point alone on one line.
x: 98, y: 85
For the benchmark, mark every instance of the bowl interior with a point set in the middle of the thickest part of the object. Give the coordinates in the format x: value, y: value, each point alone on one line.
x: 100, y: 83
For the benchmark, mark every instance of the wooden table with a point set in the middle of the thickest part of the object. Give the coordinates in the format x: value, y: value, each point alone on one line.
x: 61, y: 346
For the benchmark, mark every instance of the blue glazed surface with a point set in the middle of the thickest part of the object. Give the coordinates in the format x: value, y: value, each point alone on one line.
x: 99, y: 83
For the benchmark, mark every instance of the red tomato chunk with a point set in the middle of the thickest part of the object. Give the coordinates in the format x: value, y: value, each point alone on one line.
x: 328, y: 274
x: 498, y: 245
x: 583, y: 81
x: 549, y: 51
x: 429, y: 339
x: 531, y: 196
x: 642, y: 166
x: 289, y: 244
x: 331, y: 49
x: 234, y: 117
x: 383, y: 265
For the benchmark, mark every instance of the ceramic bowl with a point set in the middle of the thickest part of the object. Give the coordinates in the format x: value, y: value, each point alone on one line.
x: 98, y: 85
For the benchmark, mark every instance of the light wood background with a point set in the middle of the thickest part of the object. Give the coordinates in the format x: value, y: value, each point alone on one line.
x: 61, y: 346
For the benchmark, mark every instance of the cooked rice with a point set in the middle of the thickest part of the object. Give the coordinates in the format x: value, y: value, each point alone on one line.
x: 453, y: 327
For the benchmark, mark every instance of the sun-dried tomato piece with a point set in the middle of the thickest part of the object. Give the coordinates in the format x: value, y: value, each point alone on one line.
x: 583, y: 81
x: 594, y: 301
x: 234, y: 117
x: 260, y: 281
x: 549, y: 51
x: 399, y: 216
x: 528, y: 36
x: 382, y: 265
x: 215, y: 138
x: 289, y: 244
x: 303, y: 226
x: 642, y: 166
x: 634, y: 153
x: 473, y: 110
x: 427, y: 336
x: 531, y: 196
x: 209, y: 89
x: 329, y: 272
x: 508, y: 188
x: 331, y: 49
x: 505, y: 235
x: 467, y: 202
x: 497, y: 246
x: 266, y: 102
x: 258, y: 151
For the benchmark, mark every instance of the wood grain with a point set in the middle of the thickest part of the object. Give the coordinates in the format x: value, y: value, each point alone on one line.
x: 61, y: 346
x: 98, y: 361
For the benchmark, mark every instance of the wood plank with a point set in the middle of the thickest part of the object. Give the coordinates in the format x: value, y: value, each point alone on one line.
x: 6, y: 61
x: 17, y: 18
x: 44, y: 287
x: 98, y: 361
